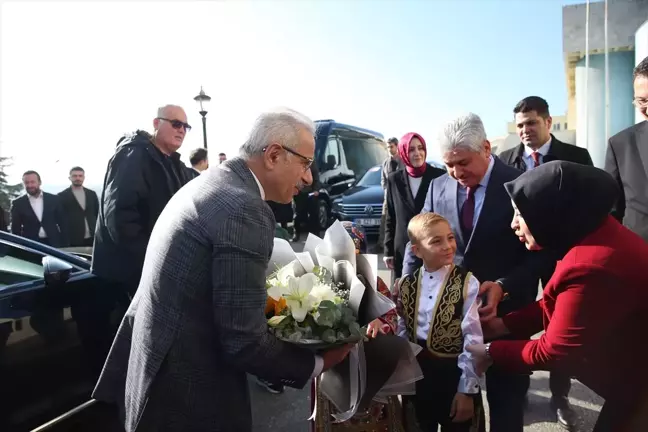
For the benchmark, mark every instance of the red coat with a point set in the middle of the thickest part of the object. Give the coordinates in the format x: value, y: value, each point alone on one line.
x: 595, y: 314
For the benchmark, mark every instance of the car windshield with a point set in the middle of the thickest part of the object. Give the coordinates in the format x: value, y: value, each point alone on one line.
x: 363, y: 154
x: 371, y: 178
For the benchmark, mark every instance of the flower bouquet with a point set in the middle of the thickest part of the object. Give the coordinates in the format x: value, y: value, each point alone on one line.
x: 325, y: 296
x: 311, y: 309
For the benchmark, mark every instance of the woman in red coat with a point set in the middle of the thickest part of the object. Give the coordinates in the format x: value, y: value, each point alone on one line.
x: 594, y: 310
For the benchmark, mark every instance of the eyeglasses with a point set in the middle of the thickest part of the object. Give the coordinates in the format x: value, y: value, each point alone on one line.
x: 308, y: 162
x: 177, y: 124
x: 640, y: 103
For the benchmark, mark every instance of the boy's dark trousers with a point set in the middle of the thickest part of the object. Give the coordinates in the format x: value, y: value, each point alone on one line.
x: 435, y: 393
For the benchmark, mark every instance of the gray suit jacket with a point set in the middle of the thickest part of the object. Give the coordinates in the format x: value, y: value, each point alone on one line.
x: 627, y: 162
x: 196, y: 324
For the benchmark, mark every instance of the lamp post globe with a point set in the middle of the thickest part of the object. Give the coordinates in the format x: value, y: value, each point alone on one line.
x: 203, y: 101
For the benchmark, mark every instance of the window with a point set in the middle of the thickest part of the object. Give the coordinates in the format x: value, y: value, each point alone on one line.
x: 363, y: 154
x: 566, y: 126
x: 557, y: 126
x: 331, y: 155
x: 372, y: 177
x: 19, y: 265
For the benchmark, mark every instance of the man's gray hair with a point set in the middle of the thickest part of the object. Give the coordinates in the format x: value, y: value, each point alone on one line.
x: 281, y: 126
x: 464, y: 132
x: 162, y: 111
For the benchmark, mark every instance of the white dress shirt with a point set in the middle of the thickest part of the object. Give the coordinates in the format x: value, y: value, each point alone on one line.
x: 37, y: 205
x: 414, y: 184
x: 431, y: 284
x: 542, y: 152
x: 319, y: 361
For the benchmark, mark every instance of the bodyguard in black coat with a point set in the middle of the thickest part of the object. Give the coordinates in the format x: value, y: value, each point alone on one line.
x: 142, y: 176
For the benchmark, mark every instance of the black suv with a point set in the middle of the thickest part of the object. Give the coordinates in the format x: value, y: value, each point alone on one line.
x: 343, y: 154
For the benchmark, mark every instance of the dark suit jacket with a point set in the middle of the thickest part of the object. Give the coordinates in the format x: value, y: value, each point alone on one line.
x: 557, y: 151
x: 401, y: 207
x: 76, y: 217
x: 627, y: 162
x: 25, y: 223
x: 493, y: 252
x: 197, y: 322
x: 192, y: 173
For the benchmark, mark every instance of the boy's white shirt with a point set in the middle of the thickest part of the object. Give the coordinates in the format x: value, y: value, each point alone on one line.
x: 431, y: 282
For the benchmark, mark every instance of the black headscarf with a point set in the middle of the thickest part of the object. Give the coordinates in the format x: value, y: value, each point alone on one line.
x: 562, y: 202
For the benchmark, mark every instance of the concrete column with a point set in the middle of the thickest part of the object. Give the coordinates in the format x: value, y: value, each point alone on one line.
x: 641, y: 52
x: 621, y: 93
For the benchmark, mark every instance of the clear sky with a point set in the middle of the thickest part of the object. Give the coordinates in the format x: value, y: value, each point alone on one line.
x: 75, y: 76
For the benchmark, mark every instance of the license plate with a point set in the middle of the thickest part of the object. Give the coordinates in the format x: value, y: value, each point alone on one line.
x: 368, y: 222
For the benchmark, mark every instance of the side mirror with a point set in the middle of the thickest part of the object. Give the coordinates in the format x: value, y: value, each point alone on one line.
x: 55, y: 271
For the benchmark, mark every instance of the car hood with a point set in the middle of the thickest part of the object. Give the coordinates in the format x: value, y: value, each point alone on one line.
x: 363, y: 195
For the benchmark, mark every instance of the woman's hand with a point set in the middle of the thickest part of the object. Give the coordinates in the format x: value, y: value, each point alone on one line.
x: 481, y: 359
x: 462, y: 409
x: 375, y: 327
x: 494, y: 329
x: 494, y: 295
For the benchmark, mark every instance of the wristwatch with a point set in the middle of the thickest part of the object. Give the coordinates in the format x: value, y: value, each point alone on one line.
x: 505, y: 294
x: 487, y: 351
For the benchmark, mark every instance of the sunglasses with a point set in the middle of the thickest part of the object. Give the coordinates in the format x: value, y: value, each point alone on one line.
x: 308, y: 162
x: 177, y: 124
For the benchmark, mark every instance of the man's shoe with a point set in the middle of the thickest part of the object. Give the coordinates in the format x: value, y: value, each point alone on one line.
x: 565, y: 415
x: 270, y: 386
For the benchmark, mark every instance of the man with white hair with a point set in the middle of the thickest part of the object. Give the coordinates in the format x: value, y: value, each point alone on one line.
x: 142, y: 176
x: 196, y: 324
x: 473, y: 199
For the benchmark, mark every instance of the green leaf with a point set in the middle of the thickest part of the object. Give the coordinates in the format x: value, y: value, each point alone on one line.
x: 326, y: 318
x: 276, y: 320
x: 295, y: 337
x: 354, y: 328
x: 329, y: 336
x: 326, y: 304
x: 286, y: 322
x: 347, y: 316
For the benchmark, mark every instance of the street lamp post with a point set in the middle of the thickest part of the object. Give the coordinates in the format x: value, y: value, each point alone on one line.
x: 203, y: 101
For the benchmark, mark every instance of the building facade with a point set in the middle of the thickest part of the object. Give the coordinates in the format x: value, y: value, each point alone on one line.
x: 586, y: 84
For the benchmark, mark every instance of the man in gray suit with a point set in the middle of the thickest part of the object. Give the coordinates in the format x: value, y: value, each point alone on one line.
x: 196, y: 324
x: 627, y: 161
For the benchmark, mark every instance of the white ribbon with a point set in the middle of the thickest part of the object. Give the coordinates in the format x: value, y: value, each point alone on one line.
x: 314, y: 414
x: 357, y: 377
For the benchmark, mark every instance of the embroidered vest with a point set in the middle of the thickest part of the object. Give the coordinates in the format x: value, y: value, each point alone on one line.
x: 445, y: 337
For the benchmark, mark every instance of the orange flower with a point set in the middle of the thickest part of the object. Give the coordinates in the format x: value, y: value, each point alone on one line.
x: 277, y: 306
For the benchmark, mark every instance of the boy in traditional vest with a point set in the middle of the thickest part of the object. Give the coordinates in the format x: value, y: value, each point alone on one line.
x: 437, y: 308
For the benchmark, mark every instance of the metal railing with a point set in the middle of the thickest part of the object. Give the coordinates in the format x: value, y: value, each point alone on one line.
x: 50, y: 424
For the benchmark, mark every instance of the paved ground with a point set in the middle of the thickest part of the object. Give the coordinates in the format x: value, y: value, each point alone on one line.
x: 289, y: 411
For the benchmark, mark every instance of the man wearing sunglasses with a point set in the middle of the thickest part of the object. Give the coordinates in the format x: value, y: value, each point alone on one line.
x: 142, y: 176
